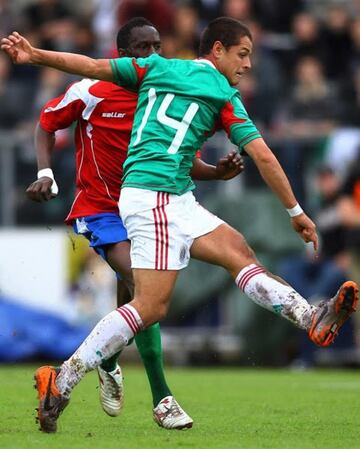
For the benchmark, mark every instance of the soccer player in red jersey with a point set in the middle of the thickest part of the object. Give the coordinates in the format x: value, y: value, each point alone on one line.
x: 104, y: 114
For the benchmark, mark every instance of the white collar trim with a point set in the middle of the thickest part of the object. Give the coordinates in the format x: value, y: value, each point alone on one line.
x: 206, y: 61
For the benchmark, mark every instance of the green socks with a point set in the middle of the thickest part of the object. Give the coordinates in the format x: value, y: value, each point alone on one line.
x: 148, y: 343
x: 110, y: 364
x: 149, y: 346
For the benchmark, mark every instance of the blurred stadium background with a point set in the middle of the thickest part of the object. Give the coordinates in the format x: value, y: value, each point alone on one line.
x: 303, y: 93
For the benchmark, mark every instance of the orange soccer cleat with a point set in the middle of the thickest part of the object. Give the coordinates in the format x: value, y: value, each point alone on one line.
x: 330, y: 315
x: 51, y: 402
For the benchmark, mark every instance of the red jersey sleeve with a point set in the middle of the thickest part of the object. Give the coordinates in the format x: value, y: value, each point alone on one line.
x: 60, y: 112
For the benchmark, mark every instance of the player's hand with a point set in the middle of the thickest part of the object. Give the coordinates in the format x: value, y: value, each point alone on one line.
x: 306, y: 228
x: 18, y: 48
x: 41, y: 190
x: 229, y: 166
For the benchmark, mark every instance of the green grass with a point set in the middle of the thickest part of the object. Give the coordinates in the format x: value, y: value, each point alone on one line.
x: 237, y: 408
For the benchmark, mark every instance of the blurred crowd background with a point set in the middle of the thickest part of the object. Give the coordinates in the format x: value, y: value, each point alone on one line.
x: 303, y: 93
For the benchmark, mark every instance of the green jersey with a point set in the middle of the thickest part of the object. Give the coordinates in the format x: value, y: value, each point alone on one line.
x: 181, y: 104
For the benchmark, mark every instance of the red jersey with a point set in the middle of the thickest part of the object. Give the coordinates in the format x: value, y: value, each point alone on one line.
x: 104, y: 114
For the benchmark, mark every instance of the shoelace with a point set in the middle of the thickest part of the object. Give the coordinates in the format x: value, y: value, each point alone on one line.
x: 174, y: 409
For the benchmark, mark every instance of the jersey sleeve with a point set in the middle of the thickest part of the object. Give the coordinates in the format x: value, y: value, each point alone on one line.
x: 235, y: 121
x: 60, y: 112
x: 129, y: 72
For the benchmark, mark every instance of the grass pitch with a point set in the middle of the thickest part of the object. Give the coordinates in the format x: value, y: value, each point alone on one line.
x: 232, y: 408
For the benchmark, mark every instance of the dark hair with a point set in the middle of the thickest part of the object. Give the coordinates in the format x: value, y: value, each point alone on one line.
x: 123, y: 36
x: 224, y: 29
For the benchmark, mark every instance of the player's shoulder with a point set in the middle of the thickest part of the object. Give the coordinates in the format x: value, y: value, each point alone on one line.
x: 107, y: 89
x: 82, y: 85
x: 150, y: 61
x: 235, y: 95
x: 79, y: 90
x: 88, y: 88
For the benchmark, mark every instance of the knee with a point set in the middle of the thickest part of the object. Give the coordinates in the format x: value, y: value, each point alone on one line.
x: 162, y: 311
x: 248, y: 254
x: 239, y: 260
x: 150, y: 311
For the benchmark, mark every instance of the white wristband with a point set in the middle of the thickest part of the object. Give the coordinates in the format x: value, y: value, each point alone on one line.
x: 46, y: 172
x: 49, y: 174
x: 295, y: 211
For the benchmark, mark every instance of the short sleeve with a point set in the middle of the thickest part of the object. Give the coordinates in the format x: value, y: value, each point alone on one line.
x: 129, y: 72
x: 237, y: 124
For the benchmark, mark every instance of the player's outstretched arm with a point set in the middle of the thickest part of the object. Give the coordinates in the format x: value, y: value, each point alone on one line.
x: 21, y: 51
x: 275, y: 177
x: 45, y: 187
x: 226, y: 168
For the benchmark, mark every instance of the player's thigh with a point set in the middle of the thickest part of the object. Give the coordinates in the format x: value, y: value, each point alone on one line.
x: 153, y: 289
x: 224, y: 246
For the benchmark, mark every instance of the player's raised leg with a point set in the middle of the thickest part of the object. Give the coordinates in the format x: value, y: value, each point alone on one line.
x: 226, y: 247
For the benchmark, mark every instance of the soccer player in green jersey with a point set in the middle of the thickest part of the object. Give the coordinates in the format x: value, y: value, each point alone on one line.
x: 180, y: 104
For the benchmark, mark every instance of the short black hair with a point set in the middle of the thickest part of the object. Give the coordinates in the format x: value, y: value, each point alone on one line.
x: 123, y: 36
x: 224, y: 29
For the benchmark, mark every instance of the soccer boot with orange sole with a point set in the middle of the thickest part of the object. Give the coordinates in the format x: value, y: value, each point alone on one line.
x: 51, y: 402
x: 330, y: 315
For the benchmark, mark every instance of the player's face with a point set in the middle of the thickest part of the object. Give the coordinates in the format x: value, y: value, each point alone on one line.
x: 144, y: 41
x: 234, y: 61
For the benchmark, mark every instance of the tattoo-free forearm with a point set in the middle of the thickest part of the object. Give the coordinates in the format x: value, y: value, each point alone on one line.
x: 276, y: 179
x: 201, y: 171
x: 44, y: 145
x: 271, y: 171
x: 73, y: 63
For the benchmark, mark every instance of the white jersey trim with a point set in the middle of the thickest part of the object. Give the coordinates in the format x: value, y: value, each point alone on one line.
x: 79, y: 91
x: 205, y: 61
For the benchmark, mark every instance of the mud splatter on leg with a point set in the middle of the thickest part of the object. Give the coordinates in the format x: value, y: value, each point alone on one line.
x: 275, y: 294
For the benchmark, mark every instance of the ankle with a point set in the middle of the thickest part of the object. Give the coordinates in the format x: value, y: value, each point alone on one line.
x: 71, y: 372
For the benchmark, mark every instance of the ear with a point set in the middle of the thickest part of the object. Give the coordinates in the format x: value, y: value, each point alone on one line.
x: 121, y: 52
x: 218, y: 49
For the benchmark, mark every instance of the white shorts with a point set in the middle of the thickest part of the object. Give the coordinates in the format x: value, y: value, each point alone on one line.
x: 162, y: 227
